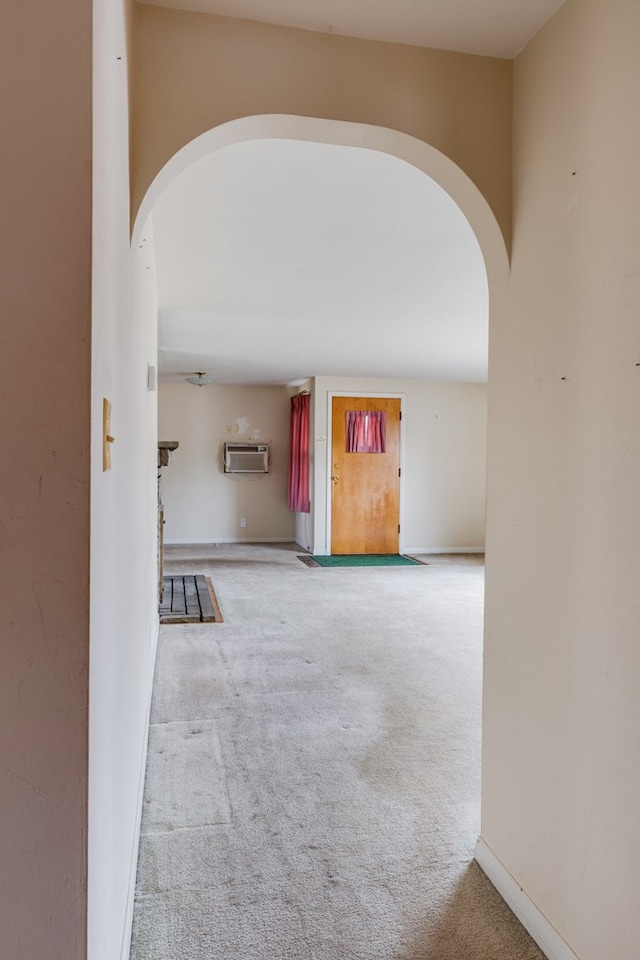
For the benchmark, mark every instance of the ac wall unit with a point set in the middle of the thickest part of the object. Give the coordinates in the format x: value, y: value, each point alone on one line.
x: 246, y: 458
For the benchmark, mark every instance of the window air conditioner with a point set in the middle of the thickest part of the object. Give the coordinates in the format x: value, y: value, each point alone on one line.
x: 246, y: 458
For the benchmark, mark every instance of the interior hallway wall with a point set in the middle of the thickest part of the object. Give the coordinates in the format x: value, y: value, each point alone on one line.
x: 562, y: 713
x: 202, y: 503
x: 195, y: 71
x: 45, y: 382
x: 124, y: 618
x: 443, y: 461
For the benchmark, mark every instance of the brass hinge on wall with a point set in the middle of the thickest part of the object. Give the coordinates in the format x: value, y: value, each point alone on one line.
x: 399, y: 472
x: 398, y: 528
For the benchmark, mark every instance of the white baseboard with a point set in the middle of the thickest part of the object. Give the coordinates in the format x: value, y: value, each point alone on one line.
x: 479, y: 550
x: 532, y: 919
x: 212, y: 543
x: 411, y: 550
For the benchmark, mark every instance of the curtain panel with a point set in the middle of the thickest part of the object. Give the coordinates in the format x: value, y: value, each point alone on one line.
x: 299, y: 454
x: 366, y: 431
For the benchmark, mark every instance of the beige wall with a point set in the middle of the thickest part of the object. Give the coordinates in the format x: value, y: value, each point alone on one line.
x: 202, y: 503
x: 45, y: 366
x: 443, y: 461
x: 196, y: 71
x: 561, y: 768
x: 562, y: 712
x: 443, y: 457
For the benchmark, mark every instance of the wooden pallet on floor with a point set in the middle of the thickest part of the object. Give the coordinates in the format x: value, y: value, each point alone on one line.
x: 188, y: 599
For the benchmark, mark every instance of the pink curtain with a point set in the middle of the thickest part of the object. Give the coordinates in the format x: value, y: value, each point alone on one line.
x: 366, y: 431
x: 299, y: 454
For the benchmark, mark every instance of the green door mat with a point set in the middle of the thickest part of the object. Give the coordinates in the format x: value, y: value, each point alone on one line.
x: 361, y: 560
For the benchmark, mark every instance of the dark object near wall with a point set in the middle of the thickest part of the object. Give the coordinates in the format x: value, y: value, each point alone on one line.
x: 188, y: 599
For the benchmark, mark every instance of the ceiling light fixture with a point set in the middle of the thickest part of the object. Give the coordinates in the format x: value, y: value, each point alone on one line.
x: 200, y: 379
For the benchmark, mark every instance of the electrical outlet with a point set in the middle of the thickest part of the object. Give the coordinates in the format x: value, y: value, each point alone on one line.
x: 243, y: 522
x: 228, y: 431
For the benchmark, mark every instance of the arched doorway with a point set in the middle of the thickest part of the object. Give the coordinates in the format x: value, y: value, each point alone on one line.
x: 447, y: 178
x: 419, y: 155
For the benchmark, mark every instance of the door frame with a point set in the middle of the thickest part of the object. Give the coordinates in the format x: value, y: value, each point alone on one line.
x: 373, y: 394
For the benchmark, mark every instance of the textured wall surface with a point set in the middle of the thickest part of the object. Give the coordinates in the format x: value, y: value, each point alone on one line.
x: 561, y: 757
x: 45, y: 305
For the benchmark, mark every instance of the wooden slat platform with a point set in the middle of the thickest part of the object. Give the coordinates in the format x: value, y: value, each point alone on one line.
x: 188, y: 599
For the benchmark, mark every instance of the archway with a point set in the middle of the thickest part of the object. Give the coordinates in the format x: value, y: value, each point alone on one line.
x: 430, y: 161
x: 421, y: 155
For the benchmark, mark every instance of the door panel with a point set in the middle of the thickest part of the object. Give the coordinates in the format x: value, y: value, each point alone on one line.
x: 365, y: 487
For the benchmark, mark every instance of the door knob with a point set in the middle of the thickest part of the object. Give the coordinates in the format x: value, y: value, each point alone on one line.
x: 335, y: 477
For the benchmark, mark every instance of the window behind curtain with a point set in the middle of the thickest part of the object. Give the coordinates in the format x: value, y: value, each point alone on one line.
x: 299, y: 454
x: 366, y: 431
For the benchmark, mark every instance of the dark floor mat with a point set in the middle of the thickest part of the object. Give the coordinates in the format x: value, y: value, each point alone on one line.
x: 188, y: 599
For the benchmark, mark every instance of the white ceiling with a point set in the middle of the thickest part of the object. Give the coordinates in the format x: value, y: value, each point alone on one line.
x: 279, y: 260
x: 496, y: 28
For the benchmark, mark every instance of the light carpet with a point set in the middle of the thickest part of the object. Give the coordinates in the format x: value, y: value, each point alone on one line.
x: 313, y: 776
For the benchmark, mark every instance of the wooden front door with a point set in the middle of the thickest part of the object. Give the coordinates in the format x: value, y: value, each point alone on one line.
x: 365, y: 487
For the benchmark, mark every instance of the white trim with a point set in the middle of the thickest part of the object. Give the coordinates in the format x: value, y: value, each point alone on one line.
x: 422, y: 155
x: 436, y: 550
x: 530, y: 916
x: 417, y: 550
x: 374, y: 394
x: 212, y: 543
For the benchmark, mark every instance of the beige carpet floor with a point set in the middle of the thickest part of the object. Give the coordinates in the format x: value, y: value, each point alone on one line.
x: 313, y: 781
